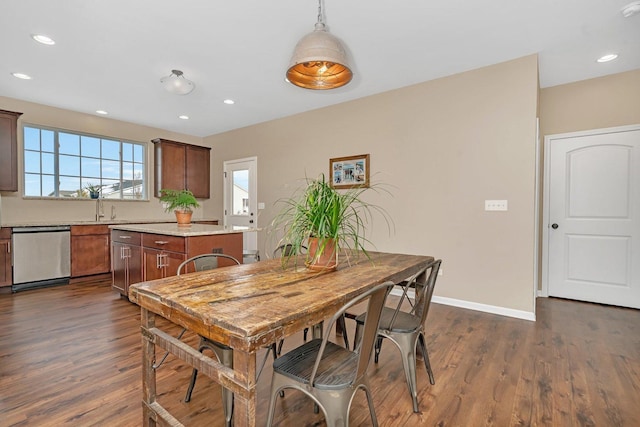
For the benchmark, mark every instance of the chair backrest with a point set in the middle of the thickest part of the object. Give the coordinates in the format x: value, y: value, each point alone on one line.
x: 287, y: 250
x: 205, y: 262
x: 424, y: 282
x: 377, y: 297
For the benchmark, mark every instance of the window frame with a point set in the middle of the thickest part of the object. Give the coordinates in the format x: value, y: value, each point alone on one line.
x: 84, y: 179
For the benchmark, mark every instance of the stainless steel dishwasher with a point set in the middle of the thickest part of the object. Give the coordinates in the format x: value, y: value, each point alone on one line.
x: 41, y: 256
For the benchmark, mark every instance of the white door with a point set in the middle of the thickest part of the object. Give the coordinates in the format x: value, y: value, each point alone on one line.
x: 240, y: 198
x: 593, y: 217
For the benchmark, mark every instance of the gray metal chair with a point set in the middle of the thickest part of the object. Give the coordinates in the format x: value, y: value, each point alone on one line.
x: 406, y: 328
x: 328, y: 373
x: 223, y: 353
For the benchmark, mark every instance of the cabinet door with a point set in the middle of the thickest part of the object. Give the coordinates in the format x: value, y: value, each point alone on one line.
x: 6, y: 275
x: 197, y: 171
x: 89, y: 255
x: 159, y: 264
x: 134, y: 266
x: 170, y: 160
x: 119, y: 267
x: 151, y: 264
x: 8, y: 151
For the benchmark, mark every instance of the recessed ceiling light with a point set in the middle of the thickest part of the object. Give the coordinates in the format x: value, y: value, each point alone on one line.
x: 21, y: 76
x: 183, y: 117
x: 229, y: 101
x: 41, y: 38
x: 608, y: 57
x: 102, y: 112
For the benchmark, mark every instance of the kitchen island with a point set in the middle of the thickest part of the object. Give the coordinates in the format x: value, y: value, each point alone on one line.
x: 143, y: 252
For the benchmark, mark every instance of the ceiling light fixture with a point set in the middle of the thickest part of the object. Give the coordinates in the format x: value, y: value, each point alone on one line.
x: 102, y: 112
x: 319, y: 60
x: 176, y: 83
x: 630, y: 9
x: 183, y: 117
x: 607, y: 58
x: 41, y: 38
x: 22, y: 76
x: 229, y: 101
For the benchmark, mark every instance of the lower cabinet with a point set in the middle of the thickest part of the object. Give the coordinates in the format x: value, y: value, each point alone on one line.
x: 126, y: 260
x: 159, y: 264
x: 6, y: 274
x: 90, y: 252
x: 139, y: 257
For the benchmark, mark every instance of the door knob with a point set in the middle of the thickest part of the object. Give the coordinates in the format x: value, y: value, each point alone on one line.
x: 554, y: 225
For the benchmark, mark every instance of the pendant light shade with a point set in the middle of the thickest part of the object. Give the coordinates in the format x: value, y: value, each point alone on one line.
x: 176, y: 83
x: 319, y: 60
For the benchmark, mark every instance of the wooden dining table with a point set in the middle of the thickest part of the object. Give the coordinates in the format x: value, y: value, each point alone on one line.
x: 248, y: 307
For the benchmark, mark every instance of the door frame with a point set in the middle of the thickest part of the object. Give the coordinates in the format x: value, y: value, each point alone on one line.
x: 253, y: 190
x: 544, y: 291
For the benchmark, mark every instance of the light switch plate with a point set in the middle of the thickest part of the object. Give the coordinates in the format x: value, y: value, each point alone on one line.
x: 495, y: 205
x: 260, y: 205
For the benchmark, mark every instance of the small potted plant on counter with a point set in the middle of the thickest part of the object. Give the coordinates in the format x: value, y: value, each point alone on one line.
x: 181, y: 203
x: 94, y: 191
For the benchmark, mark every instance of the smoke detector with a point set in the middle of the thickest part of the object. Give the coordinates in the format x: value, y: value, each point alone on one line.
x: 630, y: 9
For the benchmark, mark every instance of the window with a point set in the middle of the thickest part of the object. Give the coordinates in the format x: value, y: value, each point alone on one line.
x: 63, y: 164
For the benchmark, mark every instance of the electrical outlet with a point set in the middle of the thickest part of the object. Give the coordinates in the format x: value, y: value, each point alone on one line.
x: 440, y: 272
x: 495, y: 205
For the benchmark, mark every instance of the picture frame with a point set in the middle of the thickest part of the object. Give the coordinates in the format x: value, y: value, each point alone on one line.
x: 350, y: 171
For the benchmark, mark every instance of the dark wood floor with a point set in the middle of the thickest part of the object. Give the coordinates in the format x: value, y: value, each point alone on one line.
x: 70, y: 355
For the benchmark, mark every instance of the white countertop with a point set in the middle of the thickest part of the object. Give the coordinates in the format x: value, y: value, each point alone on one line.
x: 172, y: 229
x: 92, y: 222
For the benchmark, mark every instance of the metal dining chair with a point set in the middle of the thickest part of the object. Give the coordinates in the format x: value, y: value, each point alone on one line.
x: 223, y: 353
x: 406, y: 328
x: 328, y: 373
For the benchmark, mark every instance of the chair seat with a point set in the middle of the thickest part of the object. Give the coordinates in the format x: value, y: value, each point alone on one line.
x: 405, y: 322
x: 335, y: 371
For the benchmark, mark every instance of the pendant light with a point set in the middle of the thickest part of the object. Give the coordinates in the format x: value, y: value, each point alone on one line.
x: 176, y: 83
x: 319, y: 60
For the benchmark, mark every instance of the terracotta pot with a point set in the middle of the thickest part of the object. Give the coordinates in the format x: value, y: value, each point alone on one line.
x: 183, y: 218
x: 327, y: 260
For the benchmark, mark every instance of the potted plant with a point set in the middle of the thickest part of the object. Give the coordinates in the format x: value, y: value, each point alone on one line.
x: 181, y: 203
x: 326, y: 220
x: 94, y: 190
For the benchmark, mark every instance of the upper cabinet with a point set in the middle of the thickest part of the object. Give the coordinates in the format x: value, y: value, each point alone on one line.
x: 9, y: 150
x: 181, y: 166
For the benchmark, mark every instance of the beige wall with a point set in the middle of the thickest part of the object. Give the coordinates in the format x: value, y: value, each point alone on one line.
x: 591, y: 104
x: 15, y: 209
x: 444, y: 147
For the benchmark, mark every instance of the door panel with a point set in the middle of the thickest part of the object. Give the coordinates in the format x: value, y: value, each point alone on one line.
x: 240, y: 198
x: 594, y: 217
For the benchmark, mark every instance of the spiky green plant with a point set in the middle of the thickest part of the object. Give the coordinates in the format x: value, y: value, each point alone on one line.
x: 323, y: 212
x: 182, y: 200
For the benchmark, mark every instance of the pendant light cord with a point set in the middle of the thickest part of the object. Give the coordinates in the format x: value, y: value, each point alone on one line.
x: 320, y: 20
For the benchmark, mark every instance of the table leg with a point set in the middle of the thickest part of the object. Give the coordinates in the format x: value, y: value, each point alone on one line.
x: 148, y: 320
x: 244, y: 411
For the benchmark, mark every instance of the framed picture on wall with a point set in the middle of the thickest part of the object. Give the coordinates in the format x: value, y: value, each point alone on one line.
x: 349, y: 172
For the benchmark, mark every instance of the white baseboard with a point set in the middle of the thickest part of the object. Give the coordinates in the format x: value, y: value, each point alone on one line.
x: 493, y: 309
x: 502, y: 311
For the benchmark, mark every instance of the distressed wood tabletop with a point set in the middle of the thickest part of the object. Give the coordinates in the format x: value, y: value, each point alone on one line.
x: 252, y: 305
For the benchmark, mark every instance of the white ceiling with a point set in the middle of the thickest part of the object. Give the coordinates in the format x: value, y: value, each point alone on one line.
x: 111, y: 54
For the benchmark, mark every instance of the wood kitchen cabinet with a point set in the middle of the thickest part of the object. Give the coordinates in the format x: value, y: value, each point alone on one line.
x: 161, y: 255
x: 6, y: 274
x: 126, y: 260
x: 9, y: 150
x: 180, y: 166
x: 90, y: 250
x: 139, y: 255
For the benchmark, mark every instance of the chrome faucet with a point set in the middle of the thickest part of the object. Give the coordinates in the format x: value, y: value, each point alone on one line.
x: 99, y: 209
x: 113, y: 211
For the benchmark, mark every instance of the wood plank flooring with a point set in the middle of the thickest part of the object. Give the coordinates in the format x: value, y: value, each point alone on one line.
x: 70, y: 355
